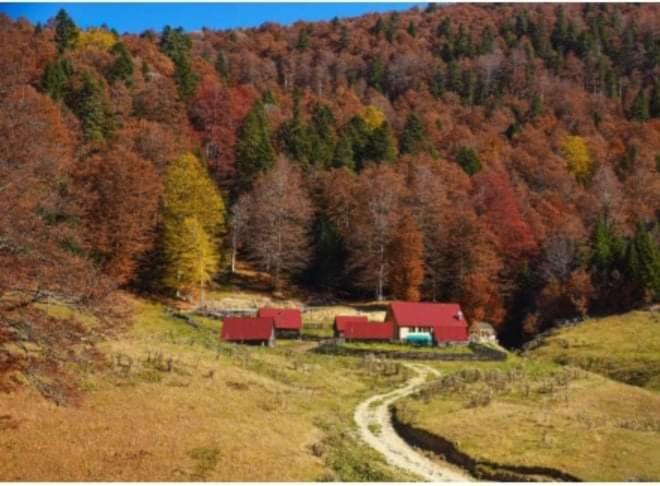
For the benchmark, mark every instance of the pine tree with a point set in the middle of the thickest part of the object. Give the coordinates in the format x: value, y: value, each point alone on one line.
x: 412, y: 30
x: 122, y: 67
x: 222, y: 65
x: 177, y: 44
x: 322, y: 137
x: 487, y: 40
x: 640, y: 107
x: 414, y: 135
x: 536, y: 109
x: 303, y: 39
x: 382, y: 145
x: 437, y: 84
x: 343, y: 155
x: 343, y: 38
x: 468, y: 159
x: 644, y: 262
x: 90, y: 107
x: 406, y: 264
x: 376, y: 74
x: 66, y: 31
x: 55, y: 79
x: 655, y: 101
x: 253, y: 151
x: 296, y: 137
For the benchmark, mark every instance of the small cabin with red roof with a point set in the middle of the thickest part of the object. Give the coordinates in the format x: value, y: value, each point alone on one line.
x: 342, y: 322
x: 252, y: 330
x: 359, y: 328
x: 443, y: 322
x: 288, y: 322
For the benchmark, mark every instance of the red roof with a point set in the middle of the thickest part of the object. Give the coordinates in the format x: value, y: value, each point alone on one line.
x: 341, y: 322
x: 446, y: 319
x: 247, y: 329
x: 427, y: 314
x: 289, y: 319
x: 368, y: 330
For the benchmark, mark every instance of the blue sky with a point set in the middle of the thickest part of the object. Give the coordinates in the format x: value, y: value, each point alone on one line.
x: 136, y: 17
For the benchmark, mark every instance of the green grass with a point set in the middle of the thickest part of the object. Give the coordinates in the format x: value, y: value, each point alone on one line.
x: 401, y: 347
x: 532, y: 413
x: 219, y: 406
x: 625, y: 348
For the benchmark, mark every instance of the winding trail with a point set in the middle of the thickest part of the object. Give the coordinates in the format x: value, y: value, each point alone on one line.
x: 374, y: 412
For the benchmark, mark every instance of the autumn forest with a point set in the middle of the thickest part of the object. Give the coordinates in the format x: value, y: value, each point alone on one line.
x: 502, y: 156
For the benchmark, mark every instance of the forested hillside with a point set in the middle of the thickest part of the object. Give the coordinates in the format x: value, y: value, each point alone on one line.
x: 502, y: 156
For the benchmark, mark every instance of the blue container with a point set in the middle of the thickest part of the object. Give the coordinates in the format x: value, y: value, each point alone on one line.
x: 419, y: 339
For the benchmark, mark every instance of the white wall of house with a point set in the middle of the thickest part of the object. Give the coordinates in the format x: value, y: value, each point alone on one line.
x: 404, y: 331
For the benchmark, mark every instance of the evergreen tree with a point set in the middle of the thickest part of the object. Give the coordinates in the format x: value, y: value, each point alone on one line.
x: 536, y: 109
x: 376, y: 74
x: 437, y: 84
x: 468, y: 159
x: 323, y: 137
x: 382, y: 145
x: 343, y: 38
x: 487, y: 40
x: 55, y: 79
x: 626, y: 164
x: 222, y: 65
x: 413, y: 137
x: 253, y: 151
x: 654, y: 109
x: 303, y: 39
x: 90, y: 107
x: 122, y: 67
x: 66, y: 31
x: 343, y: 155
x: 644, y: 262
x: 378, y: 28
x: 640, y: 107
x: 412, y: 31
x: 390, y: 28
x: 444, y: 28
x: 177, y: 44
x: 296, y: 137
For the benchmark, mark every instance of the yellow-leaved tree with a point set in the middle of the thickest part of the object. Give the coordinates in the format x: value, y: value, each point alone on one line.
x: 193, y: 219
x: 373, y: 117
x: 577, y: 157
x: 194, y: 256
x: 96, y: 39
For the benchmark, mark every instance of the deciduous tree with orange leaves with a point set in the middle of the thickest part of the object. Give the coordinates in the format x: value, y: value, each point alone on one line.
x: 406, y: 262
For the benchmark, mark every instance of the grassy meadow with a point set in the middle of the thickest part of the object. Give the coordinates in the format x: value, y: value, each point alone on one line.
x: 175, y: 404
x: 532, y: 413
x: 624, y: 347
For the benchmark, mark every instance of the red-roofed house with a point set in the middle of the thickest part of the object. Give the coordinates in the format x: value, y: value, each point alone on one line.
x: 256, y: 330
x: 444, y: 322
x: 287, y: 321
x: 359, y: 328
x: 341, y: 322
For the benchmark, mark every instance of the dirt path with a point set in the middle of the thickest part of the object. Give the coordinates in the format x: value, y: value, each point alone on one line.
x: 375, y: 426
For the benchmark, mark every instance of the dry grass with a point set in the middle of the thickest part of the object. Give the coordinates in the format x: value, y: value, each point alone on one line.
x: 176, y: 405
x: 625, y: 347
x: 526, y: 414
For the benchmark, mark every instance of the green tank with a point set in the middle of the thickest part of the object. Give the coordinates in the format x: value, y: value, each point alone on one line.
x: 419, y: 339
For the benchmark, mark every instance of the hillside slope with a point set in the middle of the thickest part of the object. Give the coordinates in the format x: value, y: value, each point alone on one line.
x: 624, y: 347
